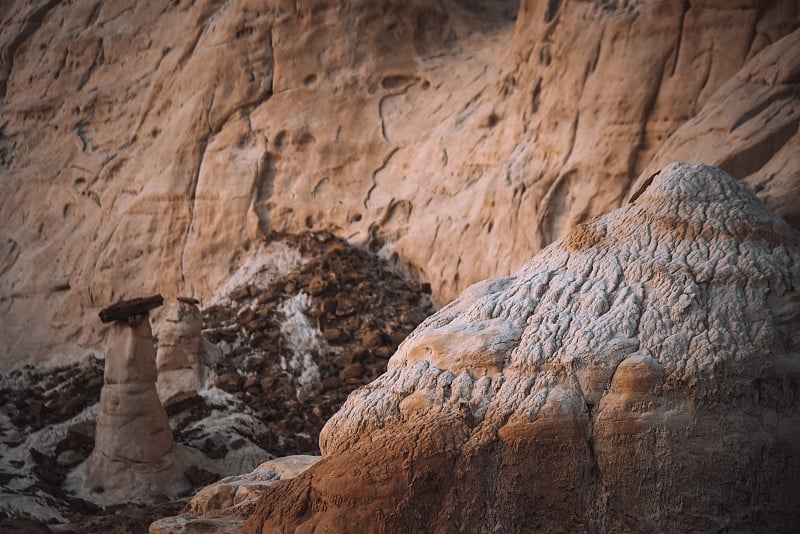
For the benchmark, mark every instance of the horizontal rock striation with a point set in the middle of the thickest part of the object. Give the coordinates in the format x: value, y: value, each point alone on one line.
x: 640, y: 375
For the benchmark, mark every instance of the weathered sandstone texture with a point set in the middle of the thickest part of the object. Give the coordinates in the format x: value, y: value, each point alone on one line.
x: 134, y: 456
x: 640, y: 375
x: 178, y: 354
x: 232, y: 499
x: 147, y: 145
x: 758, y: 142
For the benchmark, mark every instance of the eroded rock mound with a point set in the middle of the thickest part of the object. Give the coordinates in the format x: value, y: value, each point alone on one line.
x: 642, y: 374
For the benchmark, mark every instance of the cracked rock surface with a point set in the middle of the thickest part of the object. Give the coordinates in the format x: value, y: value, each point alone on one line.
x: 146, y: 145
x: 640, y: 375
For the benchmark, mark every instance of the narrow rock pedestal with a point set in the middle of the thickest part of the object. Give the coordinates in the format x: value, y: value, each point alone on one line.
x: 134, y: 459
x: 178, y: 349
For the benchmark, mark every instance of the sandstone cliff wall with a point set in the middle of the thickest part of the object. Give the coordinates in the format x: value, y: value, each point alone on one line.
x: 147, y: 145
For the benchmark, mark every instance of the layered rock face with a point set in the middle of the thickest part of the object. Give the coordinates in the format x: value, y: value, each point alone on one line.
x: 152, y: 143
x: 640, y: 375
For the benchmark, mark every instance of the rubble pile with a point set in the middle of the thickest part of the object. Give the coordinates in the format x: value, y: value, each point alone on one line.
x: 294, y: 349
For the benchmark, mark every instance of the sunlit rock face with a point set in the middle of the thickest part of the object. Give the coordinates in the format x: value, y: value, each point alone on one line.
x: 640, y: 375
x: 147, y: 145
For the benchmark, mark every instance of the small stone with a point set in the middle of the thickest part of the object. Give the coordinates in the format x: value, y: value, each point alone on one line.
x: 317, y: 286
x: 331, y: 334
x: 69, y: 458
x: 250, y: 382
x: 35, y: 408
x: 265, y: 297
x: 352, y: 324
x: 240, y: 293
x: 384, y: 352
x: 371, y: 339
x: 289, y: 288
x: 83, y: 430
x: 354, y: 370
x: 258, y: 339
x: 267, y: 383
x: 353, y: 382
x: 230, y: 382
x: 374, y: 370
x: 329, y: 305
x: 94, y: 382
x: 397, y: 337
x: 343, y: 359
x: 346, y: 305
x: 200, y: 477
x: 73, y: 405
x: 364, y: 287
x: 246, y: 315
x: 182, y: 401
x: 331, y: 383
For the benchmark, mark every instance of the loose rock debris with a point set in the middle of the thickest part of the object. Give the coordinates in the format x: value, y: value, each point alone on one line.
x: 289, y: 352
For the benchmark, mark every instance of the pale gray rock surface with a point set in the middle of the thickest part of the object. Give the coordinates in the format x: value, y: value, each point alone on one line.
x: 178, y: 354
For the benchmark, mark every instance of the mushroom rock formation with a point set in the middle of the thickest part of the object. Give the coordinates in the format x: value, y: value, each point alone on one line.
x: 134, y: 458
x: 640, y: 375
x: 178, y: 353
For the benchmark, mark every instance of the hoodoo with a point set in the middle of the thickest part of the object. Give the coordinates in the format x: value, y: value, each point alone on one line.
x: 134, y: 456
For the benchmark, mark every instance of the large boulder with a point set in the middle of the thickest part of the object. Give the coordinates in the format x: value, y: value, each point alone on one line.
x: 640, y: 375
x: 225, y: 505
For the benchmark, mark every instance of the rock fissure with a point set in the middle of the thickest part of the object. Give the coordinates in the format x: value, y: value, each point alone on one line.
x: 374, y: 175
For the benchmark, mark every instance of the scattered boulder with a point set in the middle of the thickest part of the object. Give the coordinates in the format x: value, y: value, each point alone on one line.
x: 640, y: 375
x: 287, y: 349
